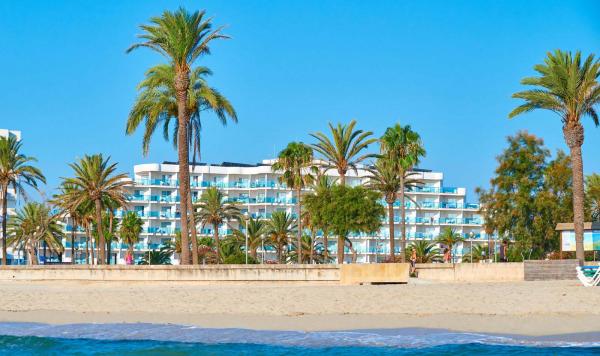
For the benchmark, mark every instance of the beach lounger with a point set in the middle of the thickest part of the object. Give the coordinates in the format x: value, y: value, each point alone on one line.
x: 586, y: 280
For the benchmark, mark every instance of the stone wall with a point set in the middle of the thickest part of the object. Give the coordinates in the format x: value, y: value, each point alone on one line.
x: 551, y: 270
x: 471, y: 272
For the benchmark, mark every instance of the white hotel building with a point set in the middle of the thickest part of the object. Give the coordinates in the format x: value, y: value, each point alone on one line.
x: 256, y: 188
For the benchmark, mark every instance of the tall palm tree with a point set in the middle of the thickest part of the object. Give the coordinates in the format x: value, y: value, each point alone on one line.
x: 17, y: 172
x: 213, y: 210
x: 95, y: 181
x: 130, y: 229
x: 385, y: 178
x: 279, y: 229
x: 403, y: 146
x: 569, y: 87
x: 181, y: 37
x: 449, y: 238
x: 256, y: 233
x: 295, y: 162
x: 74, y: 212
x: 33, y: 225
x: 344, y: 152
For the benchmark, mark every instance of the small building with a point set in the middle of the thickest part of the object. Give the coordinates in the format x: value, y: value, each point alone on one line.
x: 591, y: 236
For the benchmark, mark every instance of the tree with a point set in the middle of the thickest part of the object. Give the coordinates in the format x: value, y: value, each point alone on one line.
x: 568, y: 87
x: 592, y: 193
x: 181, y: 37
x: 403, y: 147
x: 95, y: 181
x: 160, y: 257
x: 32, y: 225
x: 17, y: 172
x: 130, y: 229
x: 450, y: 238
x: 317, y: 203
x: 156, y: 104
x: 75, y: 212
x: 256, y: 233
x: 477, y: 253
x: 352, y: 210
x: 279, y: 229
x: 344, y: 153
x: 528, y: 196
x: 385, y: 178
x: 109, y: 228
x: 213, y: 210
x: 295, y: 162
x: 311, y: 251
x: 427, y: 252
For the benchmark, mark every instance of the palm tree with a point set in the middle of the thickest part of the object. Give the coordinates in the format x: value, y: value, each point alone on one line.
x: 321, y: 188
x: 213, y: 210
x: 569, y: 88
x: 17, y: 172
x: 311, y: 251
x: 476, y: 254
x: 295, y: 162
x: 35, y: 224
x: 344, y: 152
x: 160, y: 257
x: 402, y: 146
x: 279, y: 229
x: 130, y: 229
x: 450, y: 238
x: 427, y: 252
x: 95, y: 181
x: 61, y: 200
x: 256, y: 233
x: 181, y: 37
x: 385, y: 178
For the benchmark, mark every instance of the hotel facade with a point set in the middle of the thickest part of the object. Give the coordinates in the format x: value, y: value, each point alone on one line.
x: 255, y: 187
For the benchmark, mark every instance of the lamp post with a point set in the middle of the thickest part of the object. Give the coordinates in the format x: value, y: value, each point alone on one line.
x: 247, y: 217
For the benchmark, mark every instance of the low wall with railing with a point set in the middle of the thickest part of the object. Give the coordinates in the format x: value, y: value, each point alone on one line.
x: 303, y: 274
x: 472, y: 272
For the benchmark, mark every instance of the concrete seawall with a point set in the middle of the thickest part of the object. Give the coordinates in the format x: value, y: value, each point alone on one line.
x: 302, y: 274
x: 472, y: 272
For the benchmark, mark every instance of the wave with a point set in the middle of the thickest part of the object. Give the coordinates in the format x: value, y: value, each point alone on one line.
x: 388, y: 338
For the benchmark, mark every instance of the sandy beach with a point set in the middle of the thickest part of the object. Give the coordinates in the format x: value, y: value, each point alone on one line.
x: 527, y: 308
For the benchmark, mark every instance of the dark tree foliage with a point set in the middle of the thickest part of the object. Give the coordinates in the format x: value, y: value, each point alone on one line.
x: 529, y: 194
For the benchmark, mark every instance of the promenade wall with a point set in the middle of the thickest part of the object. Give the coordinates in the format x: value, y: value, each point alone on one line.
x: 302, y: 274
x: 472, y: 272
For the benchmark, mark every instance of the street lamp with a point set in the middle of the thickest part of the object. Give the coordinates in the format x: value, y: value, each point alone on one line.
x: 247, y: 217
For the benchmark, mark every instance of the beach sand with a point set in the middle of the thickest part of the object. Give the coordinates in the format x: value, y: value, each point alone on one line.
x: 526, y: 308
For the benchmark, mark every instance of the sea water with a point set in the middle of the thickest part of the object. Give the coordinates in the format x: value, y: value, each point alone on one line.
x: 156, y: 339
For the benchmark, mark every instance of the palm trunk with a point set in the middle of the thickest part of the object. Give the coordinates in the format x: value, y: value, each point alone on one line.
x: 340, y: 249
x: 32, y: 256
x: 109, y: 241
x: 326, y: 244
x: 391, y: 229
x: 280, y: 252
x: 403, y: 210
x: 313, y: 239
x: 195, y: 259
x: 573, y: 133
x: 182, y: 82
x: 216, y: 237
x: 73, y: 230
x: 342, y: 178
x: 101, y: 240
x: 299, y: 210
x: 87, y: 244
x: 4, y: 216
x: 578, y: 198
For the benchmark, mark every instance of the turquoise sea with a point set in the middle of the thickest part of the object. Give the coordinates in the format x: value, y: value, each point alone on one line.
x: 153, y: 339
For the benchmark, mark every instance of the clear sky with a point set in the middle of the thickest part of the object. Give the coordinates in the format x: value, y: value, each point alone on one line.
x: 447, y: 68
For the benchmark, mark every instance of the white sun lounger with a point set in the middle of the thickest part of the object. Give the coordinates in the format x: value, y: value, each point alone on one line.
x: 589, y: 281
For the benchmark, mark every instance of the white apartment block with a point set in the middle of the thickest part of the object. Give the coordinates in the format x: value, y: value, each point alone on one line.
x: 256, y: 189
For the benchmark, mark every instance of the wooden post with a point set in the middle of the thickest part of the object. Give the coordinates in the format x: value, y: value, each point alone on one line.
x: 561, y: 241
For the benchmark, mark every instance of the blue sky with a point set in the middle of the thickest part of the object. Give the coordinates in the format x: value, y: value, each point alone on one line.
x: 446, y: 68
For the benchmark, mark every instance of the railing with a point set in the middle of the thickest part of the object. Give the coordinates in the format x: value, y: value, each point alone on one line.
x: 434, y: 205
x: 450, y: 190
x: 437, y: 221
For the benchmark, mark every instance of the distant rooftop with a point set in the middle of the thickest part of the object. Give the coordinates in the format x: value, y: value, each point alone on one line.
x: 266, y: 162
